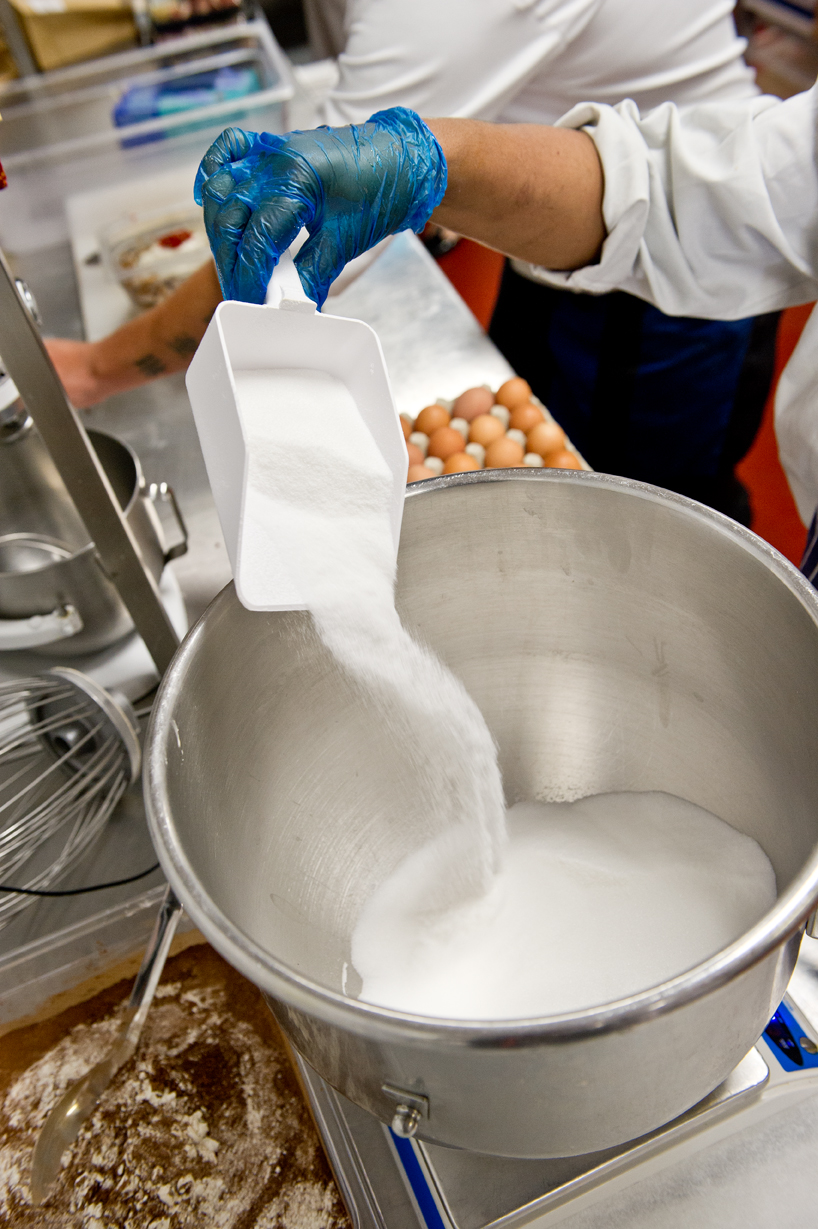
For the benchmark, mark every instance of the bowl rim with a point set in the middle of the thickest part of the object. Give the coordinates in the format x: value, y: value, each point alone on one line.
x: 782, y: 922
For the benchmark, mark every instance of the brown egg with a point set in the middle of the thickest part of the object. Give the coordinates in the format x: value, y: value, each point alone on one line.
x: 524, y: 417
x: 416, y: 457
x: 513, y: 392
x: 407, y: 424
x: 546, y: 437
x: 473, y: 402
x: 504, y: 454
x: 445, y: 442
x: 561, y: 460
x: 431, y: 418
x: 485, y: 429
x: 417, y: 473
x: 459, y: 463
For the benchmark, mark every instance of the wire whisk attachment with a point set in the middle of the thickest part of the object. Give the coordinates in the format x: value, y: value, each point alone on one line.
x: 68, y: 751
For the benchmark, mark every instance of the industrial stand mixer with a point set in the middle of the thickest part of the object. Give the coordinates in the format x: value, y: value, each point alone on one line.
x: 81, y: 559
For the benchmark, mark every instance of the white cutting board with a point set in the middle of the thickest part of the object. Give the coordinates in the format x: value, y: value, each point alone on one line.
x: 104, y: 304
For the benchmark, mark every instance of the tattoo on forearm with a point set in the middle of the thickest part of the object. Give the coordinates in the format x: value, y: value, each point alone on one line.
x: 184, y: 345
x: 150, y: 365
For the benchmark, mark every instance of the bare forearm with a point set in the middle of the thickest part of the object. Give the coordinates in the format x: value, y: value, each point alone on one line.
x: 528, y: 190
x: 163, y: 339
x: 160, y: 341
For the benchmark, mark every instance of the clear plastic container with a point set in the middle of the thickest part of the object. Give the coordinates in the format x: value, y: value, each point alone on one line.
x: 60, y: 134
x: 41, y: 978
x: 151, y: 254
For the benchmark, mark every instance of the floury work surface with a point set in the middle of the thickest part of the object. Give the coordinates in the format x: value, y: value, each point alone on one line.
x: 744, y: 1158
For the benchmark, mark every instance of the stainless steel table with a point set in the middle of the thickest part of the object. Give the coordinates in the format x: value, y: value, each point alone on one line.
x: 433, y: 347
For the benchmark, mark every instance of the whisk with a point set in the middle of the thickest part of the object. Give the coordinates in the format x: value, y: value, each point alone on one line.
x: 68, y: 751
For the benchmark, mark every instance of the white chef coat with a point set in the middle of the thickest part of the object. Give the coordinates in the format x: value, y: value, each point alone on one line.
x: 529, y: 60
x: 713, y: 212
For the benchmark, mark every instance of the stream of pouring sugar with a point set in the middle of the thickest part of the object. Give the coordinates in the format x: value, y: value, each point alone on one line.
x: 318, y: 499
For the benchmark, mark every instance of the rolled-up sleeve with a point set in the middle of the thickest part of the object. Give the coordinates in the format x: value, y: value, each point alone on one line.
x: 710, y: 211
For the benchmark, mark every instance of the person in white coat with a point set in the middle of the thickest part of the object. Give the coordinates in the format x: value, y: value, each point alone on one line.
x: 674, y: 401
x: 714, y: 211
x: 528, y: 61
x: 710, y: 209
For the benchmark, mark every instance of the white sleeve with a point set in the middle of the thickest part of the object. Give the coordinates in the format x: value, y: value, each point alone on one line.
x: 796, y: 421
x: 449, y: 57
x: 711, y: 211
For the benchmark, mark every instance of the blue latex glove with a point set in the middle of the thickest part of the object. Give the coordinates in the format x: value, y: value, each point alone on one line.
x: 350, y: 187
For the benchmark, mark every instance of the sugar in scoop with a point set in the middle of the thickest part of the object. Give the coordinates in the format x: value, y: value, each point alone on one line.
x: 317, y: 507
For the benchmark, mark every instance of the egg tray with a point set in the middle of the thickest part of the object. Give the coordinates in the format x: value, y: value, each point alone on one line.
x: 435, y: 465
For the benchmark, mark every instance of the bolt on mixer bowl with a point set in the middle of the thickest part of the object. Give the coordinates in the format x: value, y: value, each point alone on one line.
x: 616, y: 637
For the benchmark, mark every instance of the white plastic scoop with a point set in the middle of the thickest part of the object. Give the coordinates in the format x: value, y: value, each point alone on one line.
x: 261, y: 370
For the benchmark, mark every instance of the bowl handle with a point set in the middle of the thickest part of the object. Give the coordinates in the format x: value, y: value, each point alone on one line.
x: 38, y: 630
x: 161, y: 492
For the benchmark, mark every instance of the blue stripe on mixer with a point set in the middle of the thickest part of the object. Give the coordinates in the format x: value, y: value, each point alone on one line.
x: 417, y: 1180
x: 809, y: 564
x: 789, y: 1043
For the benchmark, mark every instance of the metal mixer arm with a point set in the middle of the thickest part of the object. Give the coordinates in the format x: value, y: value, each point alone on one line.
x: 31, y: 369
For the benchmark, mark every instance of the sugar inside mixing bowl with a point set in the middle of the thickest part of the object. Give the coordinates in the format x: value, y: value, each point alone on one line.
x: 616, y: 637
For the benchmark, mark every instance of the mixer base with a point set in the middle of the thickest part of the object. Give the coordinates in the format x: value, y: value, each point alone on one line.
x: 392, y: 1183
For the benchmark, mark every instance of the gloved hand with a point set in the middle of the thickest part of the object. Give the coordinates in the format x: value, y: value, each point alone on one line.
x: 349, y: 186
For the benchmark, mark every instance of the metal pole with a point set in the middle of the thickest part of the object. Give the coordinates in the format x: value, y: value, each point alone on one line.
x: 29, y: 365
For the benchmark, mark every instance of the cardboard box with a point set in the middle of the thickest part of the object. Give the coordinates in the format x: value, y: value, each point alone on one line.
x: 62, y: 32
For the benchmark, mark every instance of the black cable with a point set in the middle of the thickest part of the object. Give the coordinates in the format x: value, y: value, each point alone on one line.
x: 95, y: 887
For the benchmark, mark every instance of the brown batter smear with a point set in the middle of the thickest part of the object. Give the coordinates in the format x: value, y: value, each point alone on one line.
x: 205, y: 1126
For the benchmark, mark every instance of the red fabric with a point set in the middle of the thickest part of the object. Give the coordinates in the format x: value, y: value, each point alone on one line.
x: 475, y: 273
x: 775, y: 516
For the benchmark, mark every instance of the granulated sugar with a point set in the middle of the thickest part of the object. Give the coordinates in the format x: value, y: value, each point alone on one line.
x: 318, y: 503
x: 596, y: 900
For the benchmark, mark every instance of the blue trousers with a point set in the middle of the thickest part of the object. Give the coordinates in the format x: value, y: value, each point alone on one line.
x: 669, y: 400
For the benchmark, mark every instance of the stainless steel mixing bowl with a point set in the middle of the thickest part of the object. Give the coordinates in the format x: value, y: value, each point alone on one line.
x: 616, y: 637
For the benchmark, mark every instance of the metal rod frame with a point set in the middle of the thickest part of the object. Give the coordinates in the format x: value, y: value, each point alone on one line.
x: 29, y: 365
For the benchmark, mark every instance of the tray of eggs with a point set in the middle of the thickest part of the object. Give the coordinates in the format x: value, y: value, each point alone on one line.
x: 481, y: 429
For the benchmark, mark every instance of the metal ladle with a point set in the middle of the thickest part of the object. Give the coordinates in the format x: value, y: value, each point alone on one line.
x: 77, y: 1103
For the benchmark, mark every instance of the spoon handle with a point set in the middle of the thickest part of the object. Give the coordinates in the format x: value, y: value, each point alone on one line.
x: 77, y: 1102
x: 153, y: 962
